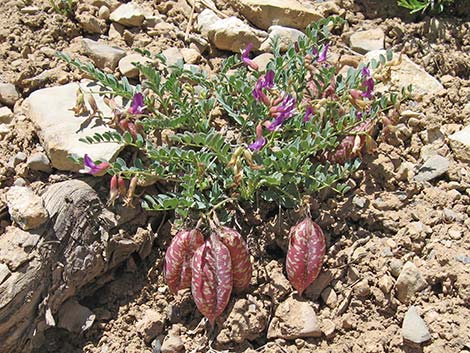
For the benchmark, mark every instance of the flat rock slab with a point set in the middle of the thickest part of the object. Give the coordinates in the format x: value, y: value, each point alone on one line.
x: 60, y: 130
x: 434, y: 167
x: 103, y: 55
x: 233, y: 34
x: 285, y: 36
x: 366, y: 41
x: 129, y: 15
x: 289, y: 13
x: 408, y: 73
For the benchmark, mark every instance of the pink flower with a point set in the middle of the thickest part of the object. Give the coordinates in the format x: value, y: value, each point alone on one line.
x: 138, y: 105
x: 264, y: 82
x: 282, y: 112
x: 247, y: 60
x: 260, y: 139
x: 308, y: 113
x: 90, y: 167
x: 367, y: 83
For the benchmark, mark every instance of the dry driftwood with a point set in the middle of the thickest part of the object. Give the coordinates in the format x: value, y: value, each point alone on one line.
x: 41, y: 273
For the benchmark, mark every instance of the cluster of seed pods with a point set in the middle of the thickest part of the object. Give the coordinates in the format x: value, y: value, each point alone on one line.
x: 211, y: 268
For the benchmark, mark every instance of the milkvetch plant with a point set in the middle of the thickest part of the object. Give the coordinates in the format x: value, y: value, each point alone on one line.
x: 217, y: 144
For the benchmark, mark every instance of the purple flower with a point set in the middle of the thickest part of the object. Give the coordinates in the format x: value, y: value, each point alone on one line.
x: 282, y: 112
x: 323, y: 53
x: 367, y: 83
x: 308, y: 112
x: 138, y: 105
x: 264, y: 82
x: 260, y: 139
x: 89, y: 167
x: 247, y: 60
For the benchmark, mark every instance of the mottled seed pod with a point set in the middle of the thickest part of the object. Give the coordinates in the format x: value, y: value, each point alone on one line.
x: 211, y: 283
x: 241, y: 264
x: 177, y: 267
x: 305, y: 254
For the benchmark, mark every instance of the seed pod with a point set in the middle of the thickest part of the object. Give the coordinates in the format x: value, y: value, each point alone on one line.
x: 177, y: 268
x: 211, y: 282
x: 113, y: 190
x: 241, y: 265
x: 305, y: 254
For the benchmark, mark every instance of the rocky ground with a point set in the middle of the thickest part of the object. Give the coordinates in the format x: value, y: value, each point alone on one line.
x: 397, y: 275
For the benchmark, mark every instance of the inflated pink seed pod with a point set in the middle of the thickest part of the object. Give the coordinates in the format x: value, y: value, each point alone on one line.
x: 241, y: 264
x: 177, y: 267
x: 305, y: 254
x: 211, y: 283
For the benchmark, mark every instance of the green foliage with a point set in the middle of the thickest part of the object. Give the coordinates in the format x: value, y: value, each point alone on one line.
x: 196, y: 135
x: 63, y: 7
x: 424, y: 5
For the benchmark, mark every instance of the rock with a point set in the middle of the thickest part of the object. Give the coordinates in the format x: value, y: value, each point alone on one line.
x: 4, y: 272
x: 234, y: 35
x: 40, y: 162
x: 60, y: 130
x: 289, y: 13
x: 30, y: 10
x: 18, y: 158
x: 407, y: 73
x: 26, y: 208
x: 6, y: 115
x: 314, y: 291
x: 278, y: 286
x: 460, y: 144
x: 247, y: 320
x: 104, y: 13
x: 463, y: 259
x: 285, y: 37
x: 4, y: 129
x: 362, y: 288
x: 205, y: 20
x: 172, y: 344
x: 91, y: 24
x: 116, y: 31
x: 434, y: 167
x: 263, y: 60
x: 409, y: 282
x: 414, y: 329
x: 328, y: 328
x: 329, y: 297
x: 75, y: 317
x: 386, y: 284
x: 395, y: 267
x: 173, y: 55
x: 8, y: 94
x: 190, y: 55
x: 359, y: 201
x: 151, y: 325
x: 294, y: 319
x: 19, y: 182
x: 366, y: 41
x: 129, y: 15
x: 127, y: 67
x: 104, y: 56
x: 16, y: 248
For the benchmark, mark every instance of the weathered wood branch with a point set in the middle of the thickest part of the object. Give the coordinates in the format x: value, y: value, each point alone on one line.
x: 43, y: 272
